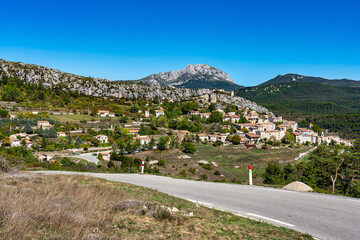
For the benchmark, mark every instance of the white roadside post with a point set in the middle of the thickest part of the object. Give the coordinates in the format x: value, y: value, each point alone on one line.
x: 250, y: 176
x: 142, y: 167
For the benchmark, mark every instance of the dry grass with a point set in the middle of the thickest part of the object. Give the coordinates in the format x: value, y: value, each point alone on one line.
x: 226, y: 158
x: 33, y: 206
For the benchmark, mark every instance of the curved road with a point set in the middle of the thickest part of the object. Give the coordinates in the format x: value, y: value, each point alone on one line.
x: 322, y: 216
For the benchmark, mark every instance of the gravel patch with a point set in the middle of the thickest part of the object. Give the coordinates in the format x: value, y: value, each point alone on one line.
x: 298, y: 186
x: 203, y: 162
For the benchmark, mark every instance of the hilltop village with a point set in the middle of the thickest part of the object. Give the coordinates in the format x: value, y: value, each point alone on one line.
x: 140, y: 125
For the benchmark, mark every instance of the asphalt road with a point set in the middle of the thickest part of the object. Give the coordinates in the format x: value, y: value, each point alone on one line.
x: 87, y: 156
x: 322, y: 216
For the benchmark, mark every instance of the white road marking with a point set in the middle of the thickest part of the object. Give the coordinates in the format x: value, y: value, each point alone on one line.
x: 201, y: 203
x: 271, y: 219
x: 353, y: 200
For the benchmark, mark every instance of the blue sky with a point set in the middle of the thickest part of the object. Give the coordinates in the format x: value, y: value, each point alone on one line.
x: 252, y: 40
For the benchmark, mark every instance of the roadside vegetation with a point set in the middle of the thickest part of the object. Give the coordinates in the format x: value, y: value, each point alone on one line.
x: 328, y: 169
x: 221, y: 164
x: 33, y: 206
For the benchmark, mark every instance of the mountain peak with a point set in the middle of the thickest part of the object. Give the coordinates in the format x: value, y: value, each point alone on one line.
x: 205, y: 69
x: 193, y: 76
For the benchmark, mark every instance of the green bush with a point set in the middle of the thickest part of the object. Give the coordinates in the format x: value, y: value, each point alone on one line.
x: 188, y: 147
x: 192, y: 170
x: 203, y: 177
x: 236, y: 139
x: 161, y: 163
x: 207, y: 167
x: 221, y: 180
x: 217, y: 173
x: 111, y: 164
x: 273, y: 173
x: 162, y: 143
x: 355, y: 189
x: 154, y: 170
x: 55, y: 165
x: 217, y: 143
x: 66, y: 162
x: 183, y: 173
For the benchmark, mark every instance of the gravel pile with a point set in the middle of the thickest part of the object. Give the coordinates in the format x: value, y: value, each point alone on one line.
x: 298, y: 186
x: 203, y: 162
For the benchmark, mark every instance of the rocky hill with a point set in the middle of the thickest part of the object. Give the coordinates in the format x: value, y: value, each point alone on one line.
x: 51, y: 78
x: 193, y: 76
x: 287, y: 78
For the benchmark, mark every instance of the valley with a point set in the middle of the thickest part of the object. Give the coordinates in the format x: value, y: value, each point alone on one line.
x: 179, y: 120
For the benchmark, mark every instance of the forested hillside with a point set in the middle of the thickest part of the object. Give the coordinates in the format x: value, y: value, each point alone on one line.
x: 333, y: 108
x: 288, y: 78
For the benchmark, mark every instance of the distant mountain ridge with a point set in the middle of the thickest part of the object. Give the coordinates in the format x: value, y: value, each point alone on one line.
x: 301, y: 78
x: 52, y: 78
x: 193, y: 76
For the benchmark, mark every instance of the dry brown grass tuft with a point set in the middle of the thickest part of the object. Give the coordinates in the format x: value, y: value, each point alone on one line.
x: 76, y: 207
x: 37, y: 206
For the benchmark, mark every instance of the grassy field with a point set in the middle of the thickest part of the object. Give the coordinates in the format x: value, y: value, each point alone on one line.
x: 77, y: 207
x: 104, y: 121
x: 75, y: 118
x: 230, y: 161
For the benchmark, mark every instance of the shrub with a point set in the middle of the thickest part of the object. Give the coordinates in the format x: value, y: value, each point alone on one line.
x: 273, y: 174
x: 55, y: 165
x: 111, y: 164
x: 162, y: 143
x: 221, y: 180
x: 203, y: 177
x: 188, y: 147
x: 161, y: 163
x: 192, y: 170
x: 217, y: 173
x: 153, y: 170
x: 207, y: 167
x: 162, y: 214
x: 236, y: 139
x: 217, y: 143
x: 126, y: 204
x: 355, y: 189
x: 183, y: 173
x: 66, y: 162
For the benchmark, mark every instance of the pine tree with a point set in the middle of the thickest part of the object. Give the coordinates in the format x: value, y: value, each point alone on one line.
x: 52, y: 133
x: 40, y: 132
x: 78, y: 141
x: 27, y: 128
